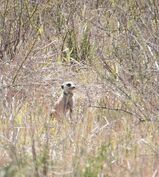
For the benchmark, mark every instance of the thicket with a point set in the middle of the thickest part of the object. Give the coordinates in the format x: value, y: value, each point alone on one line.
x: 110, y: 49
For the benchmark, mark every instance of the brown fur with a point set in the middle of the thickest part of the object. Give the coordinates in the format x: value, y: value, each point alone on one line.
x: 65, y: 102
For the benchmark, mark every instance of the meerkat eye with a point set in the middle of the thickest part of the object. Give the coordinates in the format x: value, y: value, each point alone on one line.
x: 68, y: 85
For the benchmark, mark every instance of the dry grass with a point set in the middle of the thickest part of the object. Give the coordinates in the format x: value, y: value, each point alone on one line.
x: 110, y: 50
x: 101, y: 142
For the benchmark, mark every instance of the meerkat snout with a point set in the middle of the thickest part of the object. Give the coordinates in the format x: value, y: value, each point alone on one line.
x: 65, y: 102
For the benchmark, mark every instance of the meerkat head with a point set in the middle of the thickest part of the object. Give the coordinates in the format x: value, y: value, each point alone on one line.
x: 68, y: 87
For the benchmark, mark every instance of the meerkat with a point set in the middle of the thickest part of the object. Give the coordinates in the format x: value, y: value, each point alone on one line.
x: 64, y: 104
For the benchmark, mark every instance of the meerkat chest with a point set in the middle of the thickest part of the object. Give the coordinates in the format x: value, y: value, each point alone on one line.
x: 68, y: 102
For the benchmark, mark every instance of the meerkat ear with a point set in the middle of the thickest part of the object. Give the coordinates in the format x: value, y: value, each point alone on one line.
x: 62, y: 86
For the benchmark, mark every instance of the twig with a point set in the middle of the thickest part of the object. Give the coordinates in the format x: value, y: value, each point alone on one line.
x: 112, y: 109
x: 22, y: 63
x: 42, y: 48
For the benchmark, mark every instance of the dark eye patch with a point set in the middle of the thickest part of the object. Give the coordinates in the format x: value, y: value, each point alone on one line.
x: 68, y: 85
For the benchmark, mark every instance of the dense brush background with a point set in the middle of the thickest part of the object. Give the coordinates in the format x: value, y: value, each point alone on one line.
x: 110, y: 49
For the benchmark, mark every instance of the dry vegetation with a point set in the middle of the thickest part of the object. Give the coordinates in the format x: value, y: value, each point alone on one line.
x: 110, y: 49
